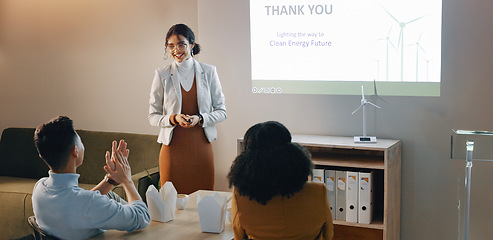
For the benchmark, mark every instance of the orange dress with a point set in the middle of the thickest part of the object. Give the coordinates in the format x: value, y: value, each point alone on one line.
x: 304, y: 216
x: 188, y: 161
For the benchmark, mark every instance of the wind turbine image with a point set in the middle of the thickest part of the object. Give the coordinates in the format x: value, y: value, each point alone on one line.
x: 418, y: 46
x: 402, y: 25
x: 364, y: 138
x: 427, y: 68
x: 387, y: 39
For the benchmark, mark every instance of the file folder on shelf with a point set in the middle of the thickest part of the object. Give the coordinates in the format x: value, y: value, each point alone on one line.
x: 341, y: 195
x: 318, y: 175
x: 330, y: 184
x: 352, y: 197
x: 365, y: 210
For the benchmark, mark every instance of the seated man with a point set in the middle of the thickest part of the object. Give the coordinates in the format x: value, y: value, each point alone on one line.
x: 65, y: 210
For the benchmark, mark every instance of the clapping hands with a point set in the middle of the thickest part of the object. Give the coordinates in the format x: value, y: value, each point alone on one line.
x: 117, y: 163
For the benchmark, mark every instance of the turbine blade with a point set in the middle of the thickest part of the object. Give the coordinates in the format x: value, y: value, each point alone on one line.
x: 357, y: 109
x: 373, y: 104
x: 391, y: 16
x: 415, y: 20
x: 391, y: 44
x: 362, y: 93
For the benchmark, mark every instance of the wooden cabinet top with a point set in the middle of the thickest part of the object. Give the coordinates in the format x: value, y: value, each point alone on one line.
x: 340, y: 142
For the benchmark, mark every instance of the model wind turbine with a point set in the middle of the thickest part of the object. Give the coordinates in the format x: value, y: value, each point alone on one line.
x: 364, y: 138
x: 402, y: 25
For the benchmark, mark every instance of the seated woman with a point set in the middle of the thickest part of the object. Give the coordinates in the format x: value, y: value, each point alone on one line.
x: 272, y: 197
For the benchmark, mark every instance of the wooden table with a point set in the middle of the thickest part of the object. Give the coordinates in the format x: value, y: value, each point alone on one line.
x: 186, y: 225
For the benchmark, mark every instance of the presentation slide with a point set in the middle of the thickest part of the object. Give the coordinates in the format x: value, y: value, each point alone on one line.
x: 336, y: 46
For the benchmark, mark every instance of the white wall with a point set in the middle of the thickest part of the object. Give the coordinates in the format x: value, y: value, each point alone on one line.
x: 91, y: 60
x: 94, y: 61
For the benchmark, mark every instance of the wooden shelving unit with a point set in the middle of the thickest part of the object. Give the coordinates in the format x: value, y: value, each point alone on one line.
x: 384, y: 158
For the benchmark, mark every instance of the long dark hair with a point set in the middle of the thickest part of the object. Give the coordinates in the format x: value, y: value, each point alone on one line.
x: 270, y: 164
x: 185, y: 31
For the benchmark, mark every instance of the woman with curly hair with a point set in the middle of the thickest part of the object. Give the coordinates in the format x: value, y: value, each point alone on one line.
x: 272, y: 196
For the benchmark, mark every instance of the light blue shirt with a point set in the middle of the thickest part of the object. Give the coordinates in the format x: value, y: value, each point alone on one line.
x: 66, y: 211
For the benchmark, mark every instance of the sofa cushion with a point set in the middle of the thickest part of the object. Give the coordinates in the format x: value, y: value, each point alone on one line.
x: 18, y: 155
x: 16, y: 204
x: 16, y: 184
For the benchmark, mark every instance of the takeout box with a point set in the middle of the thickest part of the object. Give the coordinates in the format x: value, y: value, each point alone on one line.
x: 162, y: 203
x: 212, y: 212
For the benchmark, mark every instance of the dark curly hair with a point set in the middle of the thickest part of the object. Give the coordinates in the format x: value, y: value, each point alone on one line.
x: 54, y: 140
x: 270, y: 164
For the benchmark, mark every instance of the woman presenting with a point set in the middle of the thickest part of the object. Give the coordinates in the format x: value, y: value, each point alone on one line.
x: 186, y: 101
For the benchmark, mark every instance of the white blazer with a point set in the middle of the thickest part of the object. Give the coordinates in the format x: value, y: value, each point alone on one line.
x: 165, y: 100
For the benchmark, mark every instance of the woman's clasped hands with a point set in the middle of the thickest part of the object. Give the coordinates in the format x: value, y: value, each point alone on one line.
x: 187, y: 121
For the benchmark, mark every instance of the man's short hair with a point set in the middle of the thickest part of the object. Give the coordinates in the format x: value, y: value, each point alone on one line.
x: 54, y: 140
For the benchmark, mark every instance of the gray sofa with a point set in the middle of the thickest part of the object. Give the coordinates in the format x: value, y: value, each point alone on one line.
x: 21, y: 167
